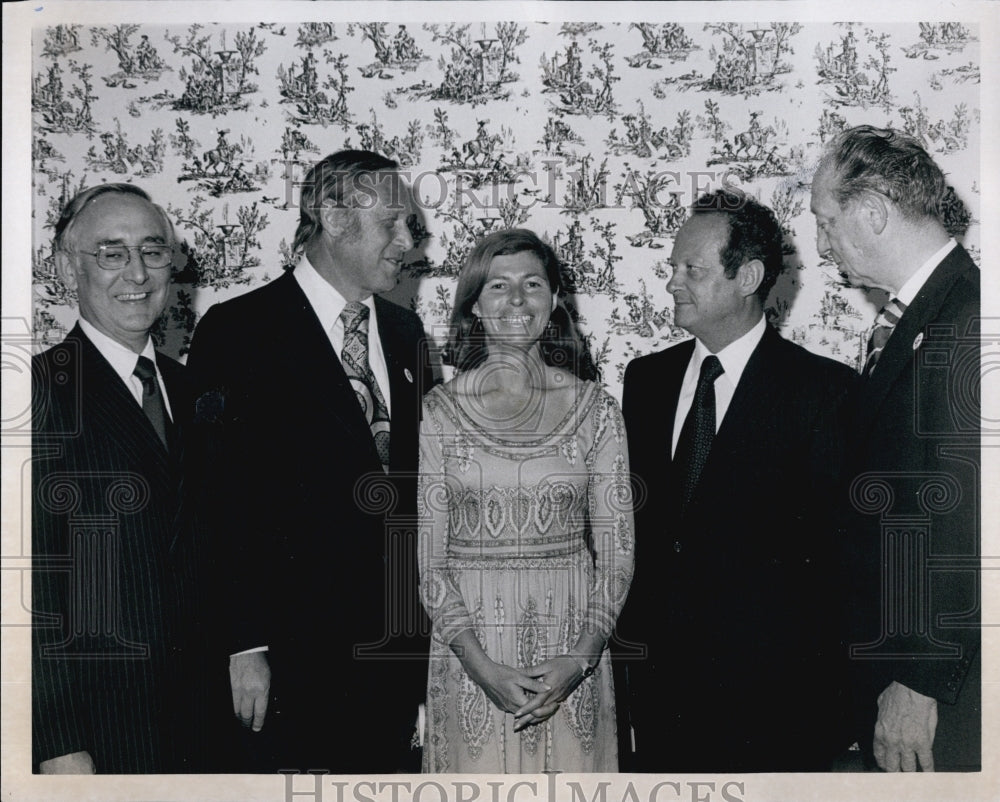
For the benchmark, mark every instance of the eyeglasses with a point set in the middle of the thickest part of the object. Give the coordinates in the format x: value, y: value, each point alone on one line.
x: 115, y: 257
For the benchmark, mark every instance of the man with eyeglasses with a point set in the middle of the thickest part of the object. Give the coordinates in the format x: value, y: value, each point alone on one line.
x: 114, y: 590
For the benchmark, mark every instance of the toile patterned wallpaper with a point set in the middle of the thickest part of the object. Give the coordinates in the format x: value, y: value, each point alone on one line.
x: 597, y: 136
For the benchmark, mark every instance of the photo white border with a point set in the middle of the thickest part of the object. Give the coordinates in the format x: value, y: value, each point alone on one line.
x: 15, y: 710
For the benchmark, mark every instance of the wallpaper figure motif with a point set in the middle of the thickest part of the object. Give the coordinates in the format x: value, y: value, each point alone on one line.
x: 598, y: 136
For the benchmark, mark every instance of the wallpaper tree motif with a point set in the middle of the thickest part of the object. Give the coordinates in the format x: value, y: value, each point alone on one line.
x: 598, y: 136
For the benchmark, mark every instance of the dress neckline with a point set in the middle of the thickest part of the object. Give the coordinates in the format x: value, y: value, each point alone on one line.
x: 577, y: 409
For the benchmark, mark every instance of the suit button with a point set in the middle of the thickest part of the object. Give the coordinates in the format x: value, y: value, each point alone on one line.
x: 677, y: 546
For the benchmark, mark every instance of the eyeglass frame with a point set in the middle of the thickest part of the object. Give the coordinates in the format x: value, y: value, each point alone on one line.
x: 128, y: 248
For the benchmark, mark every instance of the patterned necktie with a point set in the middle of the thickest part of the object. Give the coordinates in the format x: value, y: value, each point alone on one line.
x: 152, y: 399
x: 885, y: 322
x: 698, y: 431
x: 355, y: 360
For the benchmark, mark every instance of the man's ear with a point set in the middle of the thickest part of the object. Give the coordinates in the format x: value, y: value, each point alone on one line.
x: 555, y: 302
x: 475, y: 309
x: 875, y: 211
x: 65, y: 269
x: 334, y: 219
x: 749, y: 276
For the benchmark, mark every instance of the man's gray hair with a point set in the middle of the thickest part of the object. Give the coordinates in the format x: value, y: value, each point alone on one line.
x: 71, y: 211
x: 891, y: 163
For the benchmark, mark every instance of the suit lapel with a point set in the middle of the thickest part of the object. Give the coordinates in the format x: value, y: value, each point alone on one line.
x: 399, y: 362
x: 115, y: 410
x: 179, y: 396
x: 750, y: 390
x: 899, y: 351
x: 751, y: 402
x: 751, y: 393
x: 304, y: 337
x: 674, y: 373
x: 676, y: 362
x: 181, y: 409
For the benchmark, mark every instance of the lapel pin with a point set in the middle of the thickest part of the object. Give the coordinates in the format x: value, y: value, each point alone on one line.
x: 918, y: 340
x: 409, y: 376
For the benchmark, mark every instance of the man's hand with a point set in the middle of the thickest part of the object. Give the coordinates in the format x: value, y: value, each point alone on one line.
x: 250, y: 676
x: 73, y: 763
x: 904, y: 731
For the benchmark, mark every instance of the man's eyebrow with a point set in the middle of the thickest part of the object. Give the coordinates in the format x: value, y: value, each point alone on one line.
x: 151, y: 239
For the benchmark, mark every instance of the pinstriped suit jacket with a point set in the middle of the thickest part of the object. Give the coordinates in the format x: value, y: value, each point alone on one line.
x: 114, y: 584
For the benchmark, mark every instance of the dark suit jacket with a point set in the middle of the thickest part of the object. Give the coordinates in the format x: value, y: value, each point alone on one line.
x: 914, y: 469
x: 318, y: 542
x: 115, y: 588
x: 729, y: 599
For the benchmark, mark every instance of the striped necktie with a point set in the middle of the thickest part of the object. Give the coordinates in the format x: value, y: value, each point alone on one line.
x: 354, y: 358
x: 885, y: 322
x: 152, y: 398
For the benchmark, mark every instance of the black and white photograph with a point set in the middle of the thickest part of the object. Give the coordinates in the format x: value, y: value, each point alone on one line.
x: 500, y: 401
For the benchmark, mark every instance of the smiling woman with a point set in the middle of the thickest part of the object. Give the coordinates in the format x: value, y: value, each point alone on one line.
x: 516, y: 300
x: 559, y: 342
x: 526, y: 528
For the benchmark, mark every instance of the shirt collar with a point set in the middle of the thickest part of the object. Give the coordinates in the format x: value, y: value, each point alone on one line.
x: 122, y: 359
x: 915, y: 282
x: 734, y: 357
x: 324, y: 298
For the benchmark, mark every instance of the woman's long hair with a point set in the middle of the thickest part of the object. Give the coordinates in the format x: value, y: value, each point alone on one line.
x: 561, y: 344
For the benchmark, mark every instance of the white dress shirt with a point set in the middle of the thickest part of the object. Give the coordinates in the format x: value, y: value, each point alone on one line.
x: 123, y: 360
x: 916, y: 282
x: 734, y: 358
x: 327, y: 303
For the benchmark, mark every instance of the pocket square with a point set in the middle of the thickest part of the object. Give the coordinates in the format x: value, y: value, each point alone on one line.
x: 209, y: 407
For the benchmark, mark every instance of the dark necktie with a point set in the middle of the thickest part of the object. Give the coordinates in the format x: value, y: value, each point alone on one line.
x: 885, y: 322
x: 354, y: 358
x: 152, y: 399
x: 698, y: 431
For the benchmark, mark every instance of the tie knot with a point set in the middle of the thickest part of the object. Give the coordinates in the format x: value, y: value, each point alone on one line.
x: 145, y: 370
x: 711, y: 369
x: 891, y: 312
x: 354, y: 314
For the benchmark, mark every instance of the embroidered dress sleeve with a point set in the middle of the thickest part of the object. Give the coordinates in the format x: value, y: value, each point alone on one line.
x: 436, y: 493
x: 612, y: 530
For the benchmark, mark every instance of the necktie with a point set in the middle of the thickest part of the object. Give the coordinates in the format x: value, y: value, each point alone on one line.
x: 152, y: 399
x: 885, y: 322
x: 698, y: 431
x: 355, y: 361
